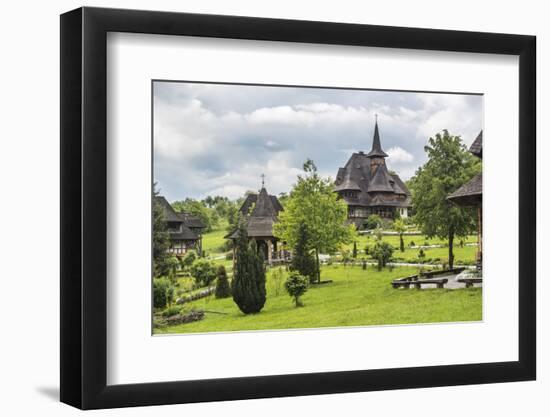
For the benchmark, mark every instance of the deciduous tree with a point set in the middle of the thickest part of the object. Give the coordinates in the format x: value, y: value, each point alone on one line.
x: 449, y: 166
x: 313, y: 202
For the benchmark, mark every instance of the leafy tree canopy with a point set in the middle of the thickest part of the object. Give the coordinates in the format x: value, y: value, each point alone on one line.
x: 197, y: 208
x: 449, y: 166
x: 313, y: 202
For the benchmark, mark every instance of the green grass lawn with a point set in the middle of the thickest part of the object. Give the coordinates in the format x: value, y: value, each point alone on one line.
x: 213, y: 242
x: 463, y: 255
x: 356, y: 297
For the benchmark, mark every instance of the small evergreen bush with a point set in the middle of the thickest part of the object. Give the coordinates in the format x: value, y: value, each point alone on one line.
x: 382, y: 252
x: 296, y: 286
x: 421, y: 255
x: 223, y: 290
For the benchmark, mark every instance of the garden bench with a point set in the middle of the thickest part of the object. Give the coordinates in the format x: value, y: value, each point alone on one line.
x: 399, y: 283
x: 439, y: 282
x: 404, y: 282
x: 470, y: 281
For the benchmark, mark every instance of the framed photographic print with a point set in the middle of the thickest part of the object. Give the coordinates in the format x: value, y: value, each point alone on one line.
x: 258, y: 207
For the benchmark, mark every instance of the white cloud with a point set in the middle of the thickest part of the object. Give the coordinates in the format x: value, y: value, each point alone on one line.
x: 219, y: 139
x: 398, y: 154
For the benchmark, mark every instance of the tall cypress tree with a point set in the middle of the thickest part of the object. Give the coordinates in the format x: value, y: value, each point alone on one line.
x: 248, y: 284
x: 302, y: 259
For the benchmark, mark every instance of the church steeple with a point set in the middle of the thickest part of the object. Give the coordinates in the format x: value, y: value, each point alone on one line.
x: 376, y: 150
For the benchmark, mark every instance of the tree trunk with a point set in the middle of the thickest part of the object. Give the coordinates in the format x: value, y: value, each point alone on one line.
x: 451, y: 256
x: 401, y: 243
x: 318, y: 271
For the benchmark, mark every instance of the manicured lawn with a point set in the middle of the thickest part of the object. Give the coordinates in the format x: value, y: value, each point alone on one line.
x: 463, y: 255
x: 213, y: 242
x: 355, y: 297
x: 419, y: 240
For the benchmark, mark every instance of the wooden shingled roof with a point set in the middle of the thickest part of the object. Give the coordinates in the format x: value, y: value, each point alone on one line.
x: 376, y: 146
x: 471, y: 193
x: 477, y: 145
x: 261, y: 212
x: 185, y: 221
x: 368, y: 183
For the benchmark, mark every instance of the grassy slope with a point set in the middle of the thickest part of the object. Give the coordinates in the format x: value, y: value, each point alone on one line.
x: 213, y: 241
x: 356, y: 297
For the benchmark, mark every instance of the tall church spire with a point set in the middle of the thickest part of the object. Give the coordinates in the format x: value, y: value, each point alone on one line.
x: 376, y: 150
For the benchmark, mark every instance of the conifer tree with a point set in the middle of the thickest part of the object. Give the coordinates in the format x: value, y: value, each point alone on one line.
x: 302, y: 259
x: 248, y: 284
x: 223, y: 290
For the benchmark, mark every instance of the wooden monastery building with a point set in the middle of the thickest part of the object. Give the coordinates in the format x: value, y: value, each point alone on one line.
x: 184, y: 229
x: 471, y: 194
x: 260, y: 212
x: 368, y: 187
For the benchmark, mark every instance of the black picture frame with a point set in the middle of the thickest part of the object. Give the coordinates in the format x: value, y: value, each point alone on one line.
x: 84, y: 207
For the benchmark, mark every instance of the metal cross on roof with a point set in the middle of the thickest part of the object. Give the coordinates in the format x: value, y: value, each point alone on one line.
x: 263, y: 180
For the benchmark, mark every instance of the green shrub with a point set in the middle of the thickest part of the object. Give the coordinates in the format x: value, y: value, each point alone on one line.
x: 374, y: 221
x: 204, y: 272
x: 172, y: 264
x: 223, y: 290
x: 163, y: 292
x: 382, y: 252
x: 171, y: 311
x: 421, y: 255
x: 296, y: 286
x: 188, y: 259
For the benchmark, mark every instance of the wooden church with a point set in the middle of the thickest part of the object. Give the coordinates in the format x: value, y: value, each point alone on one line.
x: 260, y: 212
x: 368, y: 187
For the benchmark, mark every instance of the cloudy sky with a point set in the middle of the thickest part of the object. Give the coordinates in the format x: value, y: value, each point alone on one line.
x: 214, y: 139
